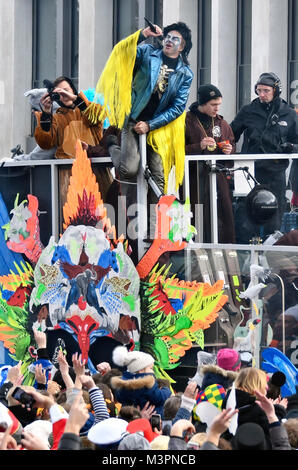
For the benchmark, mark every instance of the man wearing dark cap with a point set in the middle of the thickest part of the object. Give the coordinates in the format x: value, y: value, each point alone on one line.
x: 269, y: 125
x: 207, y: 133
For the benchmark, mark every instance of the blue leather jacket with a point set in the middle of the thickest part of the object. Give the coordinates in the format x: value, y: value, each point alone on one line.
x: 174, y: 99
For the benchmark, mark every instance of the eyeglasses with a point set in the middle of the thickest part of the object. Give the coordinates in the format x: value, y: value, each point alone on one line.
x: 263, y: 90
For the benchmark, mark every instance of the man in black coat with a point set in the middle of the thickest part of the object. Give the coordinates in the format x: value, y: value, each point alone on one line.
x: 269, y: 126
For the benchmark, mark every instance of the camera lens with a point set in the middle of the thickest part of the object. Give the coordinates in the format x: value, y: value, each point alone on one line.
x: 55, y: 96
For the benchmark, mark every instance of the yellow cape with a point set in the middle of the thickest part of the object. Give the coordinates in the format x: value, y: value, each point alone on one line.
x: 115, y: 85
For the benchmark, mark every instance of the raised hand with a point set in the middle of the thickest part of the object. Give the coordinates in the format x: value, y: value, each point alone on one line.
x: 191, y: 390
x: 181, y: 426
x: 32, y: 442
x: 63, y: 364
x: 78, y: 364
x: 7, y: 442
x: 46, y: 103
x: 87, y: 381
x: 14, y: 374
x: 147, y: 31
x: 40, y: 339
x: 53, y: 387
x: 40, y: 374
x: 147, y: 411
x: 267, y: 405
x: 78, y: 415
x: 103, y: 367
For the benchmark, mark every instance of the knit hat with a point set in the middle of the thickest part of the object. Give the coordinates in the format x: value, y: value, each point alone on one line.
x: 108, y: 431
x: 249, y: 436
x: 134, y: 360
x: 142, y: 425
x: 228, y: 359
x: 276, y: 381
x: 269, y: 79
x: 207, y: 93
x: 215, y: 394
x: 134, y: 441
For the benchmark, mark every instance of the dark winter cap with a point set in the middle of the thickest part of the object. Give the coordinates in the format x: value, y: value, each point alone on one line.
x: 207, y: 93
x: 269, y: 79
x: 249, y: 436
x: 278, y: 379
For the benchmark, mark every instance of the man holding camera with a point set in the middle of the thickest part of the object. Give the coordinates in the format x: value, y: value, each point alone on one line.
x: 66, y: 126
x: 269, y: 126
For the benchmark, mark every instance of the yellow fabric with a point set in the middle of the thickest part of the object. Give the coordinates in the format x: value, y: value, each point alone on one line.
x: 169, y: 142
x: 115, y: 83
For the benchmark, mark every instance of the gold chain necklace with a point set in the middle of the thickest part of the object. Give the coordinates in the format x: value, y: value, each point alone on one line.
x: 211, y: 148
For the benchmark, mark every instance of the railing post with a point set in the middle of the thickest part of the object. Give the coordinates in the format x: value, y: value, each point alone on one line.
x: 55, y: 201
x: 142, y: 190
x: 213, y: 206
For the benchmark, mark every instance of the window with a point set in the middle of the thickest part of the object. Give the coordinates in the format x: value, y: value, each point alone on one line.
x: 154, y: 11
x: 293, y: 53
x: 70, y: 61
x: 44, y: 41
x: 126, y: 16
x: 204, y: 42
x: 244, y: 13
x: 55, y: 40
x: 129, y: 16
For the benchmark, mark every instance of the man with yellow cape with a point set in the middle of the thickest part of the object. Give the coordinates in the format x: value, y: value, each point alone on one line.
x: 146, y: 90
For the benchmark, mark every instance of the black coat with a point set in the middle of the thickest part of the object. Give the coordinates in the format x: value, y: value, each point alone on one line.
x: 265, y: 128
x: 252, y: 413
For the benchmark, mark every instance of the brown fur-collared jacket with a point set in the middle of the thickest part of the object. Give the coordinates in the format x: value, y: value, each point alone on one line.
x: 65, y: 127
x: 213, y: 374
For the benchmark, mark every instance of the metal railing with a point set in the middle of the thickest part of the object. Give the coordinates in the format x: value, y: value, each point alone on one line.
x: 239, y: 160
x: 142, y: 186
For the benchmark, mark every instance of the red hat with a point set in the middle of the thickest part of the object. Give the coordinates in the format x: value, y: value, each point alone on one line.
x: 142, y: 425
x: 228, y: 359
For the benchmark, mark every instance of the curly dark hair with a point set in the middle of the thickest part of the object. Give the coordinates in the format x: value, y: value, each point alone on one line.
x: 185, y: 32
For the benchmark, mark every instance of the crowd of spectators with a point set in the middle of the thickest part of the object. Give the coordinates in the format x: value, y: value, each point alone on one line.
x: 224, y: 407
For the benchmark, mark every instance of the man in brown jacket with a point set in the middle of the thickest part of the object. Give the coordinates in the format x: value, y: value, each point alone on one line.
x: 68, y: 124
x: 65, y: 127
x: 207, y: 133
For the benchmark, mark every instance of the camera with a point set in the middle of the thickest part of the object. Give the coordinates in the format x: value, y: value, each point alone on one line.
x: 50, y: 87
x: 155, y: 422
x: 23, y: 397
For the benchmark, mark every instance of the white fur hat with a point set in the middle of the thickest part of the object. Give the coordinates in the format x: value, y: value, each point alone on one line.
x: 133, y: 360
